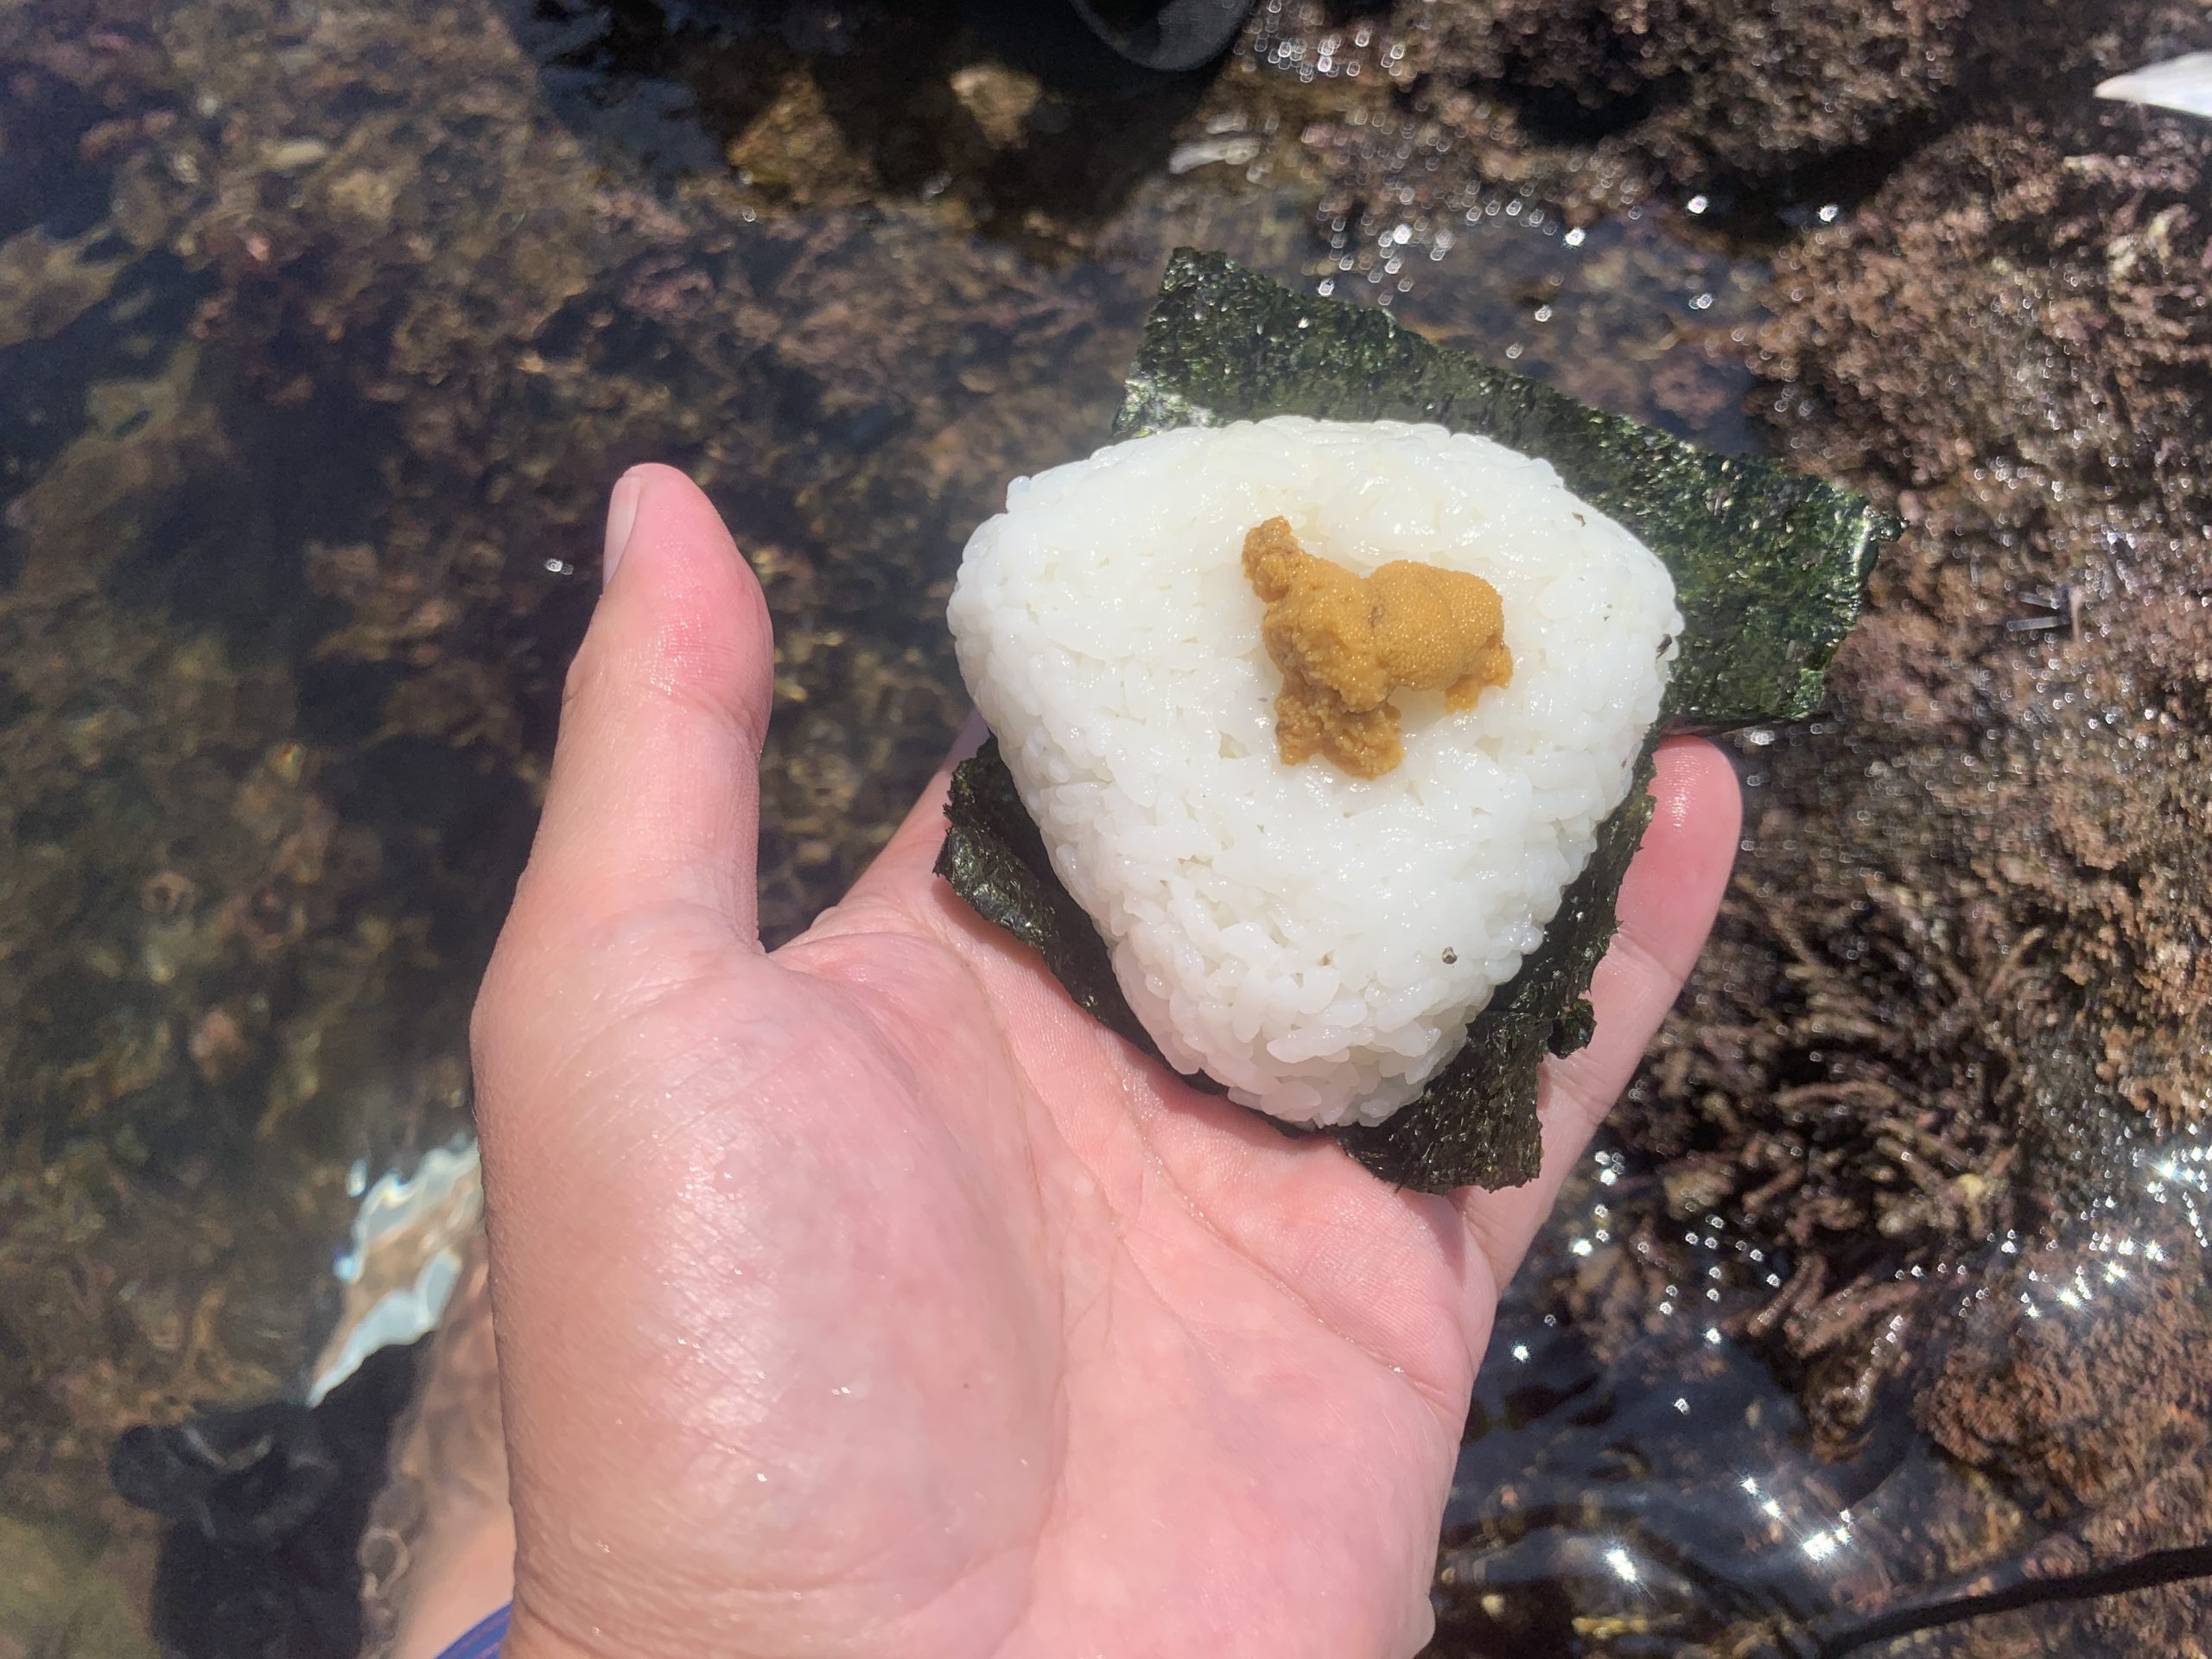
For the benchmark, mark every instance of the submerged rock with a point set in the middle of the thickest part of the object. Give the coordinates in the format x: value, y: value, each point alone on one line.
x: 322, y: 347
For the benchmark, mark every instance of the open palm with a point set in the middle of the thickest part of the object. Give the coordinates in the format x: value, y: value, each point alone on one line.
x: 868, y: 1298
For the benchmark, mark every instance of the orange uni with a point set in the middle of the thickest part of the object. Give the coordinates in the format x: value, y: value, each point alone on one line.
x: 1346, y: 644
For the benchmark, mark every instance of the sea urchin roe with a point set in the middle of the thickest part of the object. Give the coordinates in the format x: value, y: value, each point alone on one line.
x: 1347, y: 643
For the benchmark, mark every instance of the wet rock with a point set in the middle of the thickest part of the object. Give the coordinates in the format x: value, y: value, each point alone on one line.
x: 1974, y: 893
x: 2030, y: 1395
x: 62, y: 281
x: 1599, y: 104
x: 1958, y: 983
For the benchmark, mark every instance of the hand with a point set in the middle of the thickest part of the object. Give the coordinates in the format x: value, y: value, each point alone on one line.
x: 866, y: 1298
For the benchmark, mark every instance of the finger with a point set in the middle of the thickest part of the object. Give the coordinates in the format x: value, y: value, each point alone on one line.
x: 655, y: 796
x: 903, y: 871
x: 1667, y: 901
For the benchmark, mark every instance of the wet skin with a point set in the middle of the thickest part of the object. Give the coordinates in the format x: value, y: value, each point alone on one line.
x: 868, y: 1298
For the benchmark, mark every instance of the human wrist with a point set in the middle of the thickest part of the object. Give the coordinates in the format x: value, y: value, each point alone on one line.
x: 530, y: 1637
x: 505, y: 1633
x: 467, y: 1580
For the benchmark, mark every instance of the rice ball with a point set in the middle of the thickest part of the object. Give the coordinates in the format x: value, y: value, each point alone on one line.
x: 1316, y: 942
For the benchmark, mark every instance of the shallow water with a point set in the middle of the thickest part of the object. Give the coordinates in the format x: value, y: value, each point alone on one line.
x: 1664, y: 1498
x: 323, y: 329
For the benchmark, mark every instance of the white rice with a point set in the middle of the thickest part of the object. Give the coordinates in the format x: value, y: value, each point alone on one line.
x: 1316, y: 942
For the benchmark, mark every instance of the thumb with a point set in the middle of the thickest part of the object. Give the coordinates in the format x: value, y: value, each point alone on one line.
x: 655, y: 794
x: 642, y: 873
x: 651, y: 814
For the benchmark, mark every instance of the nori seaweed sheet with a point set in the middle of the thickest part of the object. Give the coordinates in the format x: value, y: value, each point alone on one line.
x: 1769, y: 568
x: 995, y: 859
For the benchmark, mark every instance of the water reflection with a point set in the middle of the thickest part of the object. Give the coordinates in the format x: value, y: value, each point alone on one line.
x: 1646, y: 1485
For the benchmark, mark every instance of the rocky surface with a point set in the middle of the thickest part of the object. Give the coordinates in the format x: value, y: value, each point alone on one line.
x: 323, y: 329
x: 1972, y: 920
x: 1597, y: 104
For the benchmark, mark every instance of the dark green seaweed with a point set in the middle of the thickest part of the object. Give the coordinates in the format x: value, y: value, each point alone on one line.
x: 1476, y: 1122
x: 1769, y: 568
x: 996, y: 861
